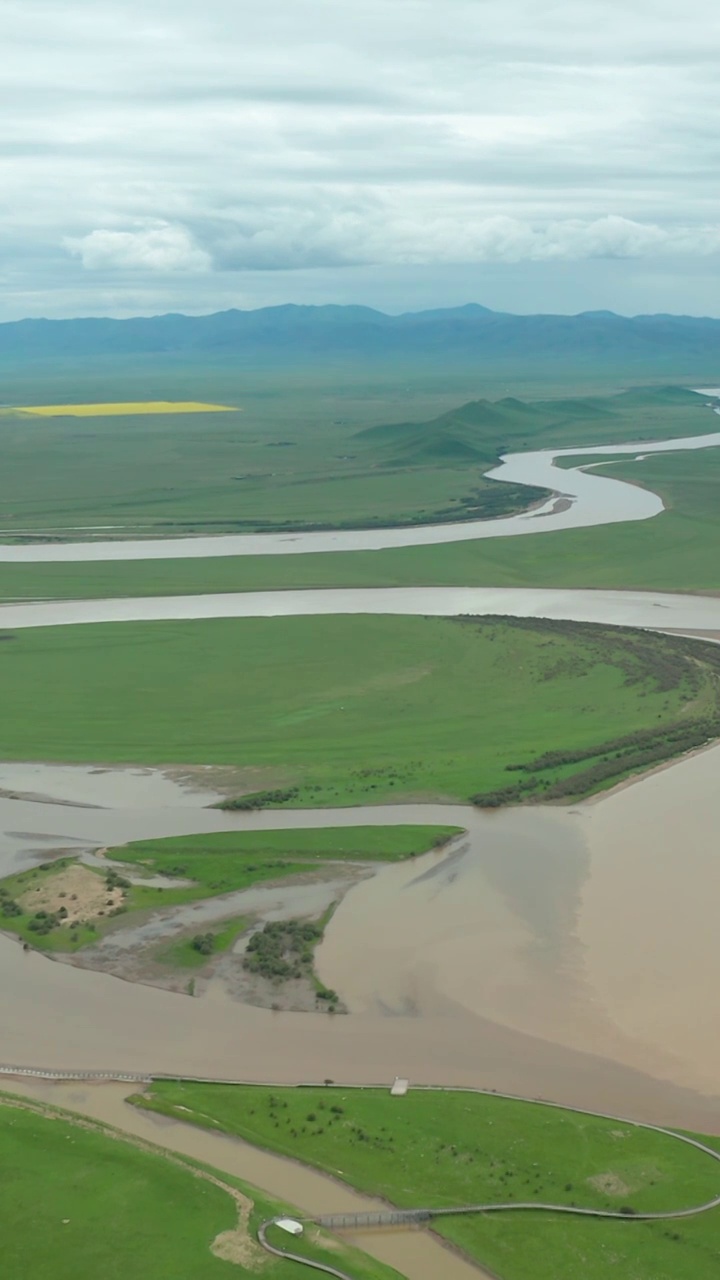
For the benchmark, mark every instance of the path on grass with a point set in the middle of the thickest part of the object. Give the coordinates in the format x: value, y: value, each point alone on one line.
x: 296, y: 1257
x: 581, y: 499
x: 421, y: 1217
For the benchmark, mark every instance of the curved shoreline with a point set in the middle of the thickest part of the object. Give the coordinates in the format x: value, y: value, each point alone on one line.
x: 591, y: 500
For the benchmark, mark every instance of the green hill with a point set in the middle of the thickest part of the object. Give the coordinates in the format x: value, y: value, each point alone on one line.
x: 480, y: 431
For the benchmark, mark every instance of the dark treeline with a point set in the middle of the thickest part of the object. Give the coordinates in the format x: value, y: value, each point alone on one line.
x: 633, y: 753
x: 483, y: 504
x: 675, y: 736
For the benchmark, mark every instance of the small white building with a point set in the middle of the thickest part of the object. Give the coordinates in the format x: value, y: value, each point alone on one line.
x: 400, y: 1087
x: 292, y: 1227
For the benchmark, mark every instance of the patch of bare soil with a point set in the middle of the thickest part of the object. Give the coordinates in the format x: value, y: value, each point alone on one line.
x: 561, y: 504
x: 609, y: 1184
x: 82, y: 893
x: 229, y: 780
x: 295, y: 995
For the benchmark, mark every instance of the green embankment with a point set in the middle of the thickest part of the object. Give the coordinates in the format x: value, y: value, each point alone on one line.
x: 80, y: 1201
x: 215, y: 864
x: 442, y: 1149
x: 341, y: 710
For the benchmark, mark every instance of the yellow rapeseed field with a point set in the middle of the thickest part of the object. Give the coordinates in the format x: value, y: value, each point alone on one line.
x: 106, y: 410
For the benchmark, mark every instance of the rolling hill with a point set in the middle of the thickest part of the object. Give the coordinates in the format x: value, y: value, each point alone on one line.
x: 478, y: 432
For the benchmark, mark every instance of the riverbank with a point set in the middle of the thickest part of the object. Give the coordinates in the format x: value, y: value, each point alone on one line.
x: 417, y: 1255
x: 519, y: 963
x: 596, y: 500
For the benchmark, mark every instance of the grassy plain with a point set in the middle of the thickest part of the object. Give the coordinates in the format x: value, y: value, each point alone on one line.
x: 304, y: 452
x: 345, y: 709
x: 441, y: 1149
x: 678, y: 550
x: 288, y: 458
x: 223, y: 862
x: 80, y: 1201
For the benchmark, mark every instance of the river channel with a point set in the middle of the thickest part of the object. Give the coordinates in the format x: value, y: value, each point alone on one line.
x: 660, y: 611
x: 524, y: 957
x: 585, y: 500
x: 565, y: 953
x: 415, y: 1253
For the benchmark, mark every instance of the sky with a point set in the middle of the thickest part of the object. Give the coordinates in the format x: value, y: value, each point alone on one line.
x: 195, y: 155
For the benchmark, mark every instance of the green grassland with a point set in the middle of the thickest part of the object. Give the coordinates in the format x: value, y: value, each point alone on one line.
x: 211, y: 859
x: 183, y: 955
x: 435, y: 1149
x: 678, y: 550
x: 215, y: 864
x: 351, y: 709
x: 209, y: 881
x: 291, y: 455
x: 79, y: 1201
x: 297, y: 455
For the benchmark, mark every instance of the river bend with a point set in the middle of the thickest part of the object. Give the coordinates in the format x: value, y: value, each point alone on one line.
x: 589, y: 500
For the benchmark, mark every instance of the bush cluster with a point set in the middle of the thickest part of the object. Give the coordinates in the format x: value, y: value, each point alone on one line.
x: 204, y: 943
x: 43, y: 922
x: 261, y: 799
x: 8, y: 906
x: 283, y: 949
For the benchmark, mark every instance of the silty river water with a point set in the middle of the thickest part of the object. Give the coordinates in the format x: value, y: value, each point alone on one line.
x: 565, y: 953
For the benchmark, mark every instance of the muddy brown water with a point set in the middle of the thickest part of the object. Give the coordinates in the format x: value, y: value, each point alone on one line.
x: 416, y: 1254
x: 512, y: 961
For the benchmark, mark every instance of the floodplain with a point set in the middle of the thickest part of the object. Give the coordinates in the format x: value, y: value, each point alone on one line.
x: 524, y: 959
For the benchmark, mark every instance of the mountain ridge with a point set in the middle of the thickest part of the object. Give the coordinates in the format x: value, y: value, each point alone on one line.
x: 293, y: 332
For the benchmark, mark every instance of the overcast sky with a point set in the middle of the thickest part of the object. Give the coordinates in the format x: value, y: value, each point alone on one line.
x: 200, y: 154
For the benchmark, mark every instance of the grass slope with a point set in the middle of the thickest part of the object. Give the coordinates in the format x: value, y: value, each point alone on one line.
x: 347, y: 709
x: 81, y: 1202
x: 435, y: 1149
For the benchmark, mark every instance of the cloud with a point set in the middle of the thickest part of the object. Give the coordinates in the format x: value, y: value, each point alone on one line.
x: 286, y: 239
x: 159, y: 247
x: 143, y: 144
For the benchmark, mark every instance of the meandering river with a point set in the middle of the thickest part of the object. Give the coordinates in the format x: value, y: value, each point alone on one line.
x: 588, y: 500
x: 568, y: 953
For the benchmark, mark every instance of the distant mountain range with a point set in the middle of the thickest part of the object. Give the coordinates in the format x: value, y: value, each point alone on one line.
x: 291, y: 334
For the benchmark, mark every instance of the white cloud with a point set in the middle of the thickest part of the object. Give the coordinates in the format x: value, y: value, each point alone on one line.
x: 283, y: 238
x: 306, y: 135
x: 159, y: 247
